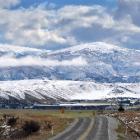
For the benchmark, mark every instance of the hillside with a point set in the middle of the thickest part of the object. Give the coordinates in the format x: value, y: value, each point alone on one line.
x: 97, y: 61
x: 41, y: 90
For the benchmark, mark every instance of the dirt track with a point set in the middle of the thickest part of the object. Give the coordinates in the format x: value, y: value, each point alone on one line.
x: 86, y: 129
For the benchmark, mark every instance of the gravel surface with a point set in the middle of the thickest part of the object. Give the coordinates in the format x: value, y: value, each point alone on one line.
x: 112, y: 126
x: 75, y: 131
x: 100, y: 128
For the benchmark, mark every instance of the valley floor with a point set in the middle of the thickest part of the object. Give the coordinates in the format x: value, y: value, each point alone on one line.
x: 78, y: 125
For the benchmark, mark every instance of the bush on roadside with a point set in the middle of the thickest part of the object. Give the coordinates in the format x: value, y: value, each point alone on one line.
x: 11, y: 121
x: 48, y: 125
x: 30, y: 127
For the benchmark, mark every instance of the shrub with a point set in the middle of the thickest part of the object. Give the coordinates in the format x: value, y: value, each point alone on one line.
x: 62, y: 110
x: 48, y: 125
x: 30, y: 127
x: 4, y: 116
x: 11, y: 121
x: 121, y: 109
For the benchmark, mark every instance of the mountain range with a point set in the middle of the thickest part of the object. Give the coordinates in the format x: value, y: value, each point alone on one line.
x: 89, y: 71
x: 98, y: 61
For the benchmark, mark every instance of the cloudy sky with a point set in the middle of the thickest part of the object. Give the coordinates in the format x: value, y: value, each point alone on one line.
x: 56, y: 24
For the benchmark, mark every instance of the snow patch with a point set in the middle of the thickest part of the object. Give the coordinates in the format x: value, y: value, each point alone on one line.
x: 69, y: 90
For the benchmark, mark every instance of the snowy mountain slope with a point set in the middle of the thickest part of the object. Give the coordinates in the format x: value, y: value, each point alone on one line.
x: 18, y: 51
x: 95, y: 46
x: 66, y: 90
x: 96, y: 61
x: 105, y: 63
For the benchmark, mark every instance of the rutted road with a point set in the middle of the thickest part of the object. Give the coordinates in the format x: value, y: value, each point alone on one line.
x: 99, y: 130
x: 86, y: 129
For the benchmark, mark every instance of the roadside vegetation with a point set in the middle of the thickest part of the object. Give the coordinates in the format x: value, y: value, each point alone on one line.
x: 36, y: 124
x: 121, y: 132
x: 129, y: 126
x: 42, y: 124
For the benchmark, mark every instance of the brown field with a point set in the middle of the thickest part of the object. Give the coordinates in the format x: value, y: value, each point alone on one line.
x: 59, y: 120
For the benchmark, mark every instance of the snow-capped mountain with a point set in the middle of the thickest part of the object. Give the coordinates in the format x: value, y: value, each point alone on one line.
x: 96, y: 61
x: 39, y: 90
x: 105, y: 63
x: 78, y: 72
x: 18, y: 51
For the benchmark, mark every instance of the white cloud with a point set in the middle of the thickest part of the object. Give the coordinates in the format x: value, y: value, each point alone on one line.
x: 70, y: 25
x: 96, y: 23
x: 36, y: 61
x: 35, y: 37
x: 129, y: 8
x: 8, y: 3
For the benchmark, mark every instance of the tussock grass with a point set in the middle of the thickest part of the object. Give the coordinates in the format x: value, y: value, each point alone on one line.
x: 58, y: 119
x: 121, y: 132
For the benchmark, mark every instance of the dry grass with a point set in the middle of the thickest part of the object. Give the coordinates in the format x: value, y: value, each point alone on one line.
x: 120, y: 129
x: 43, y: 113
x: 131, y: 120
x: 58, y: 119
x: 59, y: 122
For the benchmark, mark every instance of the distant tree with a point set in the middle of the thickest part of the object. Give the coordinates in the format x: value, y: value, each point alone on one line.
x: 121, y: 109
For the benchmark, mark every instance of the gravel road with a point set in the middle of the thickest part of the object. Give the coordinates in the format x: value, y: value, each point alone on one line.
x: 86, y: 129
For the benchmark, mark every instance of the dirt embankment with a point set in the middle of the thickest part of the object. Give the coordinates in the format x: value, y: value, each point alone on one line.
x: 131, y: 120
